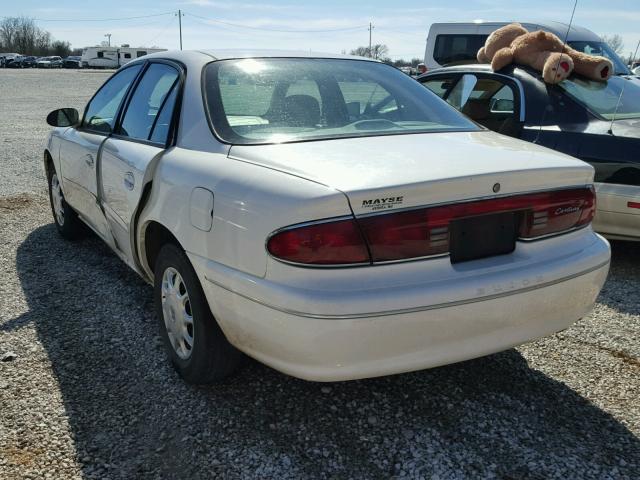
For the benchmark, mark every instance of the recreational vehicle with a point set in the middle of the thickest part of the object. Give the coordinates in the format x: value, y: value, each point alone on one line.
x: 113, y: 57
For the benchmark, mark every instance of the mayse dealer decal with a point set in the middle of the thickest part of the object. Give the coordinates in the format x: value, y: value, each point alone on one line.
x: 382, y: 203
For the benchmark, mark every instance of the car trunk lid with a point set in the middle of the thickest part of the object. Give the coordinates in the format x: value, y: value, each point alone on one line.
x: 407, y: 171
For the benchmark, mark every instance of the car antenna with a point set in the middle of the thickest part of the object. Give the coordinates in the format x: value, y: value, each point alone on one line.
x: 615, y: 112
x: 564, y: 44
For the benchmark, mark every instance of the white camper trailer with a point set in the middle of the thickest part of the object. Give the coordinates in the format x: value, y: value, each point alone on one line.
x: 113, y: 57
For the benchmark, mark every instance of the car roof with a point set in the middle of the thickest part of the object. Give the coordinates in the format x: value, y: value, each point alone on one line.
x: 514, y: 71
x: 575, y: 33
x: 201, y: 57
x: 237, y: 53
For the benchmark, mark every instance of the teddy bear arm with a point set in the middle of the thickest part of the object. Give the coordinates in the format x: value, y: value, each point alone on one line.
x: 482, y: 56
x: 502, y: 58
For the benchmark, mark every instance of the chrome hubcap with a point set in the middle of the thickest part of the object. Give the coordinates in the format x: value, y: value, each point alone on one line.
x: 56, y: 199
x: 176, y: 310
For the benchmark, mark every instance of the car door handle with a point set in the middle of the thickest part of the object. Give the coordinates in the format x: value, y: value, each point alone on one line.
x: 129, y: 181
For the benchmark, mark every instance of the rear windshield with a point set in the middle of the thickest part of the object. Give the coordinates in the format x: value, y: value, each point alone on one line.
x: 274, y: 100
x: 618, y: 97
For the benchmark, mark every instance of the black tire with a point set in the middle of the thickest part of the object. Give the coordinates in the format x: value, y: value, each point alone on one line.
x: 68, y: 224
x: 211, y: 358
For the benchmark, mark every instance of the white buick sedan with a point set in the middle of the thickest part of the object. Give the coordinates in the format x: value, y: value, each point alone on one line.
x: 326, y: 215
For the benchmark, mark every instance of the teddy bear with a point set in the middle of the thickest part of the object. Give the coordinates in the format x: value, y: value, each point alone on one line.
x: 542, y: 51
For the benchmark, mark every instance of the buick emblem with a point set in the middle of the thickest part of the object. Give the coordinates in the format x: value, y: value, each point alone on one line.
x: 496, y: 187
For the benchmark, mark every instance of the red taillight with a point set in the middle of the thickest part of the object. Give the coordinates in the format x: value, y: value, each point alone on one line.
x: 554, y: 212
x: 413, y: 234
x: 425, y: 232
x: 328, y: 243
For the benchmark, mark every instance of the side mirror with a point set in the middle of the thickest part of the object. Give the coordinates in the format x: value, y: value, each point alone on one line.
x: 63, y: 117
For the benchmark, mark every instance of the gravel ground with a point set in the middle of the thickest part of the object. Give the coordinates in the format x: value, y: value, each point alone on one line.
x: 86, y: 390
x: 26, y: 97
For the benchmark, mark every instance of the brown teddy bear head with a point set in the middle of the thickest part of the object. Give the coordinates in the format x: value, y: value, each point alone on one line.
x: 500, y: 38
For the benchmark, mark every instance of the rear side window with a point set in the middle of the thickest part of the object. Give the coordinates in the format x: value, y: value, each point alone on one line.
x: 160, y: 131
x: 101, y: 111
x: 457, y: 49
x: 148, y: 100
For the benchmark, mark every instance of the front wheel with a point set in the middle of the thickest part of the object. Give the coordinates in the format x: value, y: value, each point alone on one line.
x: 65, y: 217
x: 196, y: 345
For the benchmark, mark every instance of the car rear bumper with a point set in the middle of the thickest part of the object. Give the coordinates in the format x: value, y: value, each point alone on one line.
x: 360, y: 333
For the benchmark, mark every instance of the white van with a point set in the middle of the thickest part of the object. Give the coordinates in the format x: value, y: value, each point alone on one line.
x: 458, y: 43
x: 113, y: 57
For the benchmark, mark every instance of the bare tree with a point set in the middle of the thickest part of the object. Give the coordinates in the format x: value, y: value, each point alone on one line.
x: 615, y: 42
x: 401, y: 62
x: 60, y: 48
x: 378, y: 51
x: 360, y: 51
x: 22, y: 35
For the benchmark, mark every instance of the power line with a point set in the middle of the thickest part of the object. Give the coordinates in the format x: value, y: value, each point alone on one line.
x: 237, y: 25
x: 115, y: 28
x: 97, y: 19
x: 163, y: 30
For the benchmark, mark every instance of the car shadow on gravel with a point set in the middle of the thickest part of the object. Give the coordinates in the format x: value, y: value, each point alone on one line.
x: 132, y: 417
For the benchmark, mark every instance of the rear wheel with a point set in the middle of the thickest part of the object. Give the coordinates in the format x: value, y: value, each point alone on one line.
x: 196, y: 345
x: 65, y: 217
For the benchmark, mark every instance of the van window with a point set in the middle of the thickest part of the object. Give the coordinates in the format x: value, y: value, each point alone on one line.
x: 457, y: 49
x: 141, y: 53
x: 100, y: 54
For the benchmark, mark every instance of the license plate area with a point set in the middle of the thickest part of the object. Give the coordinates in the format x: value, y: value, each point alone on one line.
x: 483, y: 236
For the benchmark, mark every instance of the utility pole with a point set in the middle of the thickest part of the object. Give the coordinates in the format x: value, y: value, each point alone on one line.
x: 180, y: 26
x: 370, y: 52
x: 108, y: 35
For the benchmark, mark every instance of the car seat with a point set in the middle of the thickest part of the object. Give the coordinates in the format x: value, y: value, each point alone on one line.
x: 300, y: 111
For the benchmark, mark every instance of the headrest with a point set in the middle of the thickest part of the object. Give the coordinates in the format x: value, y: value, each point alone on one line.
x: 301, y: 111
x: 477, y: 108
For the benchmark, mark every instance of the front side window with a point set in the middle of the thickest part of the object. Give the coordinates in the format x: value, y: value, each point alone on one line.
x: 100, y: 114
x: 273, y: 100
x: 617, y: 98
x: 147, y: 101
x: 489, y: 101
x: 440, y: 85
